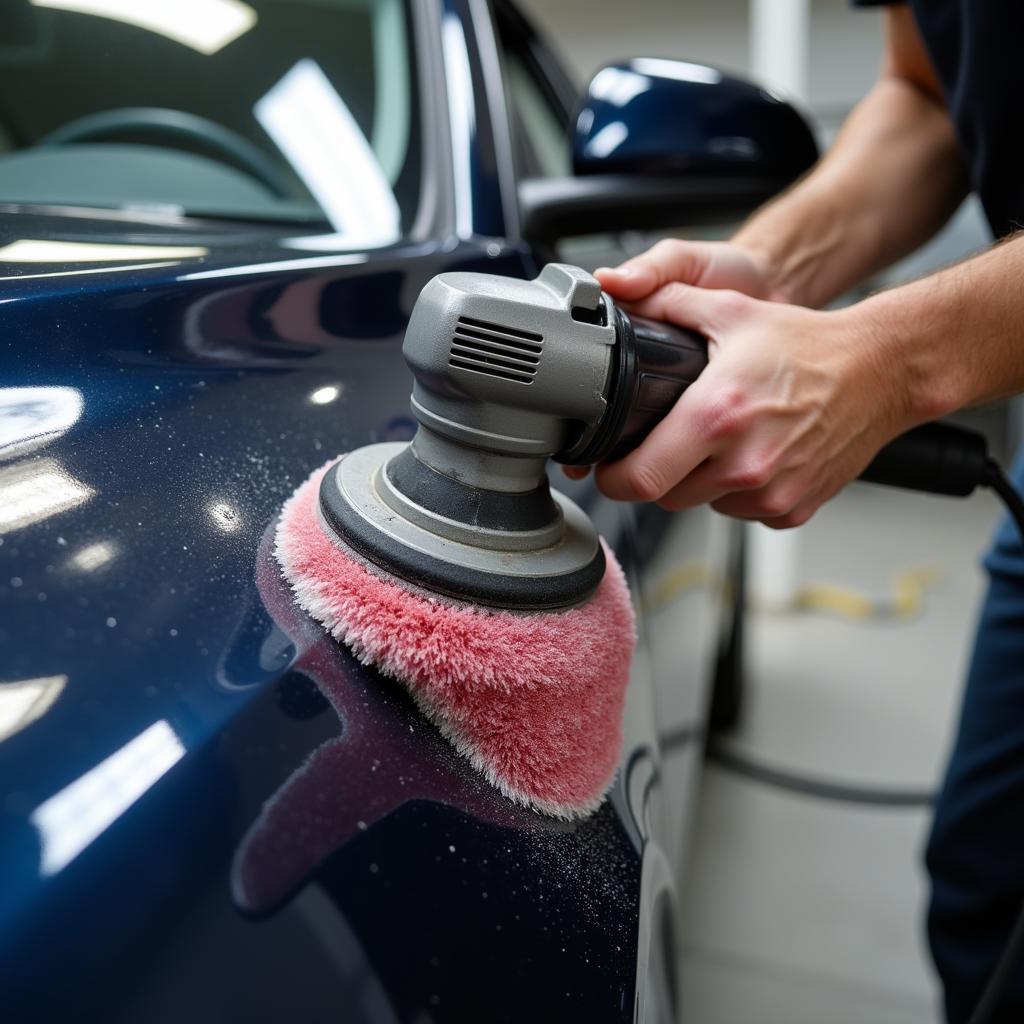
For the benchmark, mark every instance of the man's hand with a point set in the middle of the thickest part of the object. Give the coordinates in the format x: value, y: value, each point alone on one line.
x: 793, y: 404
x: 713, y: 265
x: 704, y: 264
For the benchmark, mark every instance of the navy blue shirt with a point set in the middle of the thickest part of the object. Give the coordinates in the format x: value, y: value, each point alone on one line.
x: 975, y: 47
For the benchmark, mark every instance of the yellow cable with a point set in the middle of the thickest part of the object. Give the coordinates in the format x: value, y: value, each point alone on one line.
x: 907, y: 601
x: 677, y: 581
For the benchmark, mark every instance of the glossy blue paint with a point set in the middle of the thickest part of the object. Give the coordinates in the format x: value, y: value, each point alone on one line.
x: 655, y: 116
x: 139, y: 575
x: 208, y: 810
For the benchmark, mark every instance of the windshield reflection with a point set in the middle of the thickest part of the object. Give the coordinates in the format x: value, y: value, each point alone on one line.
x: 33, y: 491
x: 32, y: 417
x: 202, y: 25
x: 314, y: 128
x: 25, y: 700
x: 70, y: 820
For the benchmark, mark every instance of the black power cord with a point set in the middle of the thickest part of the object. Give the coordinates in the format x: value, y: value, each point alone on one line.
x: 793, y: 782
x: 822, y: 789
x: 997, y: 480
x: 1001, y: 976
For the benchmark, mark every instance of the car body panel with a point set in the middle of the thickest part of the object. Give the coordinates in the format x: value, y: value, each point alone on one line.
x: 207, y: 807
x: 138, y: 573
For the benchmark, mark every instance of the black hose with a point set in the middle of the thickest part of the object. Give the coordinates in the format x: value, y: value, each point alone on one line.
x: 997, y: 480
x: 793, y: 782
x: 1002, y: 975
x: 806, y: 785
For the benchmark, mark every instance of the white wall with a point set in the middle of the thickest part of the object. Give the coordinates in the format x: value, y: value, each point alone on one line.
x: 845, y: 43
x: 589, y: 33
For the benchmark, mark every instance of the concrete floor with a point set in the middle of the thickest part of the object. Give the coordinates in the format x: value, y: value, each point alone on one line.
x: 798, y: 910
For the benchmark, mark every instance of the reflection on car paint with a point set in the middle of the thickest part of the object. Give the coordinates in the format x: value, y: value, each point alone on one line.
x: 92, y: 556
x: 34, y: 490
x: 352, y: 781
x: 33, y: 416
x: 24, y: 700
x: 139, y: 604
x: 43, y: 250
x: 71, y: 819
x: 313, y: 127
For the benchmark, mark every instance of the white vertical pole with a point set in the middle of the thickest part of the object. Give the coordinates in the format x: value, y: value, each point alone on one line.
x: 779, y: 40
x: 779, y: 37
x: 773, y: 567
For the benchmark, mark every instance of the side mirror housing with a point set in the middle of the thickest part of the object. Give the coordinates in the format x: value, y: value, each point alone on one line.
x: 657, y: 117
x: 658, y: 143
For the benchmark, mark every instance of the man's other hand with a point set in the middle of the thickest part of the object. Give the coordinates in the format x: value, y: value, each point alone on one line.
x: 704, y: 264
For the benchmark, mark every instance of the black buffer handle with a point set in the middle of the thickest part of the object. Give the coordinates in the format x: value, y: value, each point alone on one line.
x: 662, y: 362
x: 937, y: 458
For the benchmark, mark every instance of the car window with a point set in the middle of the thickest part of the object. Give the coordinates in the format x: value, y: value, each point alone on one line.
x: 541, y: 141
x: 297, y: 109
x: 539, y: 133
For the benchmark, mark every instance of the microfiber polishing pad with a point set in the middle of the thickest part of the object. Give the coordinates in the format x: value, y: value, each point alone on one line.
x: 533, y: 699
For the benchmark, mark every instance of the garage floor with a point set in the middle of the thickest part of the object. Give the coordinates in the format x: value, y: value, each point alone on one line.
x: 800, y: 910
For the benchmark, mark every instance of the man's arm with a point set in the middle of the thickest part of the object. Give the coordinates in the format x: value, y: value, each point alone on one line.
x: 956, y: 336
x: 890, y: 181
x: 892, y: 178
x: 795, y: 402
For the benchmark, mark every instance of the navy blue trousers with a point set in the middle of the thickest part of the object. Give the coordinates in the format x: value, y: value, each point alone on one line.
x: 975, y: 853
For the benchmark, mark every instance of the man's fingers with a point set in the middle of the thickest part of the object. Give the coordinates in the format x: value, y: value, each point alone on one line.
x: 703, y: 486
x: 668, y: 454
x: 773, y: 501
x: 623, y: 283
x: 807, y: 506
x: 576, y: 472
x: 798, y: 516
x: 666, y: 261
x: 704, y: 309
x: 788, y: 501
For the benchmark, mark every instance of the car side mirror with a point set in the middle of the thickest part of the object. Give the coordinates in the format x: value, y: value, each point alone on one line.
x: 662, y: 143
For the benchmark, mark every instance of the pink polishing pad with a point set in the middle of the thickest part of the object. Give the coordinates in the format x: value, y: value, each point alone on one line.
x: 533, y: 699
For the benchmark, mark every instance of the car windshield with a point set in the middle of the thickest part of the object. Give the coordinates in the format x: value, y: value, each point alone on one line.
x: 292, y: 110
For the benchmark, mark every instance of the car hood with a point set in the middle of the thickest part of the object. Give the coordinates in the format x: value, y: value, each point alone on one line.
x: 191, y: 772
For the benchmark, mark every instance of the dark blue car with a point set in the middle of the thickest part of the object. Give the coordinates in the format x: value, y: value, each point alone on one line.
x: 215, y: 217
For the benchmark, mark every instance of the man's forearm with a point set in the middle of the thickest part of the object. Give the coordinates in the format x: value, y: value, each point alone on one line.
x: 955, y: 338
x: 890, y: 181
